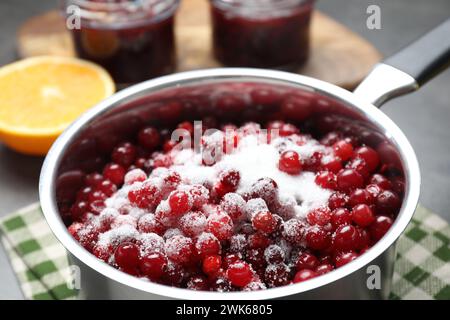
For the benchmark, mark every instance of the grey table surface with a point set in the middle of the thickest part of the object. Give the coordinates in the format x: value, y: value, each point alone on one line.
x: 424, y: 116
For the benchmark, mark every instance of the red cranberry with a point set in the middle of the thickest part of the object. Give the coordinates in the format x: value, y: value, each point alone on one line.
x: 274, y: 254
x: 277, y: 275
x: 135, y: 175
x: 266, y: 189
x: 146, y: 196
x: 360, y: 166
x: 96, y: 195
x: 78, y: 209
x: 200, y: 196
x: 290, y: 162
x: 207, y: 244
x: 345, y: 238
x: 96, y: 207
x: 153, y: 265
x: 307, y: 261
x: 170, y: 111
x: 230, y: 258
x: 221, y: 190
x: 262, y: 96
x: 370, y: 156
x: 149, y: 138
x: 188, y: 126
x: 240, y: 274
x: 326, y: 180
x: 379, y: 227
x: 233, y: 204
x: 93, y: 179
x: 107, y: 187
x: 230, y: 178
x: 297, y: 108
x: 174, y: 274
x: 317, y: 238
x: 324, y: 268
x: 380, y: 181
x: 230, y: 104
x: 360, y: 196
x: 115, y: 173
x: 304, y: 275
x: 264, y: 221
x: 103, y: 252
x: 83, y: 194
x: 148, y: 224
x: 179, y: 249
x: 349, y: 179
x: 330, y: 138
x: 333, y: 165
x: 362, y: 215
x: 343, y: 149
x: 212, y: 264
x: 256, y: 258
x: 169, y: 145
x: 220, y: 225
x: 293, y: 231
x: 161, y: 161
x: 127, y: 255
x: 124, y: 154
x: 288, y: 129
x: 258, y: 241
x: 364, y: 239
x: 340, y: 216
x: 344, y: 258
x: 320, y: 216
x: 337, y: 200
x: 313, y: 163
x: 180, y: 202
x: 74, y: 228
x: 388, y: 202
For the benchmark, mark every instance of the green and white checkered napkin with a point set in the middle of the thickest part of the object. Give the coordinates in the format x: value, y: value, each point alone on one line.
x: 422, y: 270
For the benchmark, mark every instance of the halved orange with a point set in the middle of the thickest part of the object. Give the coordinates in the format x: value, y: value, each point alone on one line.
x: 41, y: 96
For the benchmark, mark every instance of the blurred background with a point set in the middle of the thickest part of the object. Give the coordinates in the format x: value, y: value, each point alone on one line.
x: 424, y: 116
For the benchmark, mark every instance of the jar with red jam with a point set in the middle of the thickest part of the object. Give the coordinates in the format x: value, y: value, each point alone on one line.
x: 261, y: 33
x: 133, y: 39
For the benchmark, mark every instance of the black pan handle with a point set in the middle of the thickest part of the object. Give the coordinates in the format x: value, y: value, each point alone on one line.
x: 408, y: 69
x: 425, y: 57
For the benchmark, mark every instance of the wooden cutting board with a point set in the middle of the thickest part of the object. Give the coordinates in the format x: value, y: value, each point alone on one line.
x: 338, y: 55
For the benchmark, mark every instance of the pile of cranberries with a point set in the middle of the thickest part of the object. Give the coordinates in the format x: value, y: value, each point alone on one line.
x: 212, y: 237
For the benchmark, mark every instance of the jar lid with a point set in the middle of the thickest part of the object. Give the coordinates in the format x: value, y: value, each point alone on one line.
x: 117, y: 14
x: 260, y: 8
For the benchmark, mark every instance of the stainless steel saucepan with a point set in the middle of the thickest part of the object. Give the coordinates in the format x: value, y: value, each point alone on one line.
x: 191, y: 95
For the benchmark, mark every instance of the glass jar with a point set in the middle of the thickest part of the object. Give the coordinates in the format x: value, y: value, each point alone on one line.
x: 261, y: 33
x: 133, y: 39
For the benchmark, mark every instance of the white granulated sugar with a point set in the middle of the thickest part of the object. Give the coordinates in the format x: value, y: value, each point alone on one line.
x: 193, y: 223
x: 107, y: 215
x: 124, y: 219
x: 255, y: 160
x: 118, y: 235
x: 254, y: 286
x: 273, y: 250
x: 238, y: 243
x: 176, y: 244
x: 151, y: 243
x: 170, y: 233
x: 285, y: 246
x: 254, y: 206
x: 261, y: 160
x: 205, y: 237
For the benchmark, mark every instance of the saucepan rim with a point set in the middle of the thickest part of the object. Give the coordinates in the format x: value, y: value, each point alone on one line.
x: 374, y: 115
